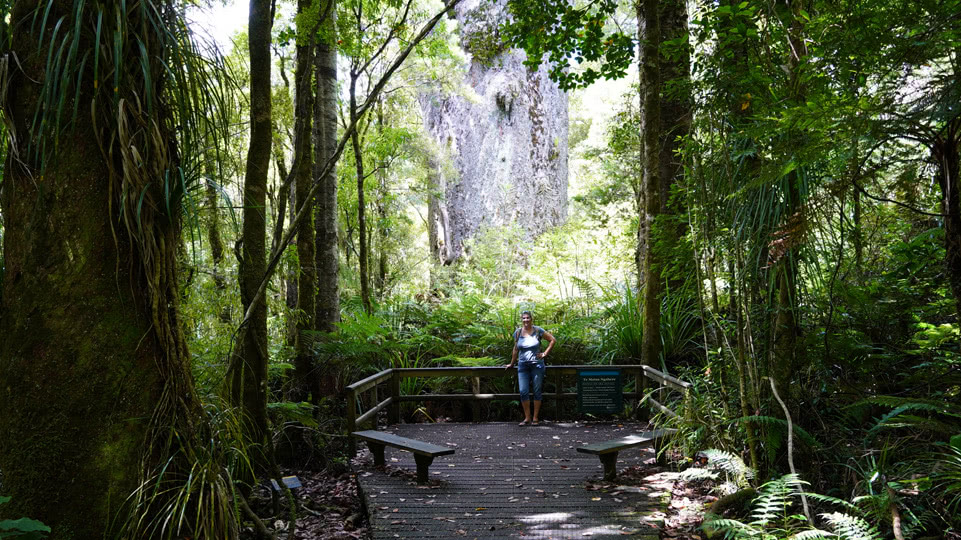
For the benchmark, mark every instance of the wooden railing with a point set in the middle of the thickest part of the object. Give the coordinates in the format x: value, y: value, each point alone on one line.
x: 386, y: 388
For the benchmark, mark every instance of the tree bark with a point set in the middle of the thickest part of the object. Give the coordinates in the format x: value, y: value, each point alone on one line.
x: 325, y: 146
x: 649, y: 199
x: 247, y: 377
x: 380, y: 280
x: 947, y: 155
x: 305, y: 375
x: 92, y: 356
x: 363, y: 256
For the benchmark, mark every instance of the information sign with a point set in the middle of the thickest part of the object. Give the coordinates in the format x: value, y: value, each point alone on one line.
x: 599, y: 392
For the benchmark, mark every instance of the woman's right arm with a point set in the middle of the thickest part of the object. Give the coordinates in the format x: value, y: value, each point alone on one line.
x: 513, y: 358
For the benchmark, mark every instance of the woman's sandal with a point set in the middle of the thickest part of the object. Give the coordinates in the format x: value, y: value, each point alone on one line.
x: 535, y: 422
x: 524, y: 423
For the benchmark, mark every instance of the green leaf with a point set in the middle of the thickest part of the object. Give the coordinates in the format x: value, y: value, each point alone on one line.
x: 4, y: 500
x: 23, y: 525
x: 955, y: 442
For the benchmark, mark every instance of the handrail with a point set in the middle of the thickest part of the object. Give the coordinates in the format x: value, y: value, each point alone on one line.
x: 393, y: 376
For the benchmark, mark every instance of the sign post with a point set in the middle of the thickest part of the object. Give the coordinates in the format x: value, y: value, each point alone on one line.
x: 599, y: 392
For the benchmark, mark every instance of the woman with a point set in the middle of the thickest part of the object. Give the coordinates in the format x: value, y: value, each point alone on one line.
x: 530, y: 363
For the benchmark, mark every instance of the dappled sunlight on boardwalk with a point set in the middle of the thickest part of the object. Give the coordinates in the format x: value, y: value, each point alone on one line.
x: 509, y: 481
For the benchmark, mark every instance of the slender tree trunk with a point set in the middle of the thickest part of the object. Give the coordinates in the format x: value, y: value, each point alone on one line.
x: 304, y: 370
x: 247, y: 377
x: 649, y: 199
x: 382, y: 194
x: 946, y: 154
x: 325, y: 145
x: 740, y: 357
x: 93, y: 363
x: 363, y: 256
x: 214, y: 237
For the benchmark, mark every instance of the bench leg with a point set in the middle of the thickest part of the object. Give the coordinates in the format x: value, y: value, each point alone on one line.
x: 378, y: 451
x: 423, y: 463
x: 609, y: 461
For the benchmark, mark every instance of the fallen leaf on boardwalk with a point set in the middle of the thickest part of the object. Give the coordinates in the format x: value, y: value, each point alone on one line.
x: 383, y: 507
x: 394, y: 460
x: 555, y: 437
x: 479, y: 508
x: 403, y: 500
x: 395, y: 510
x: 430, y: 501
x: 595, y: 498
x: 539, y: 490
x: 461, y: 532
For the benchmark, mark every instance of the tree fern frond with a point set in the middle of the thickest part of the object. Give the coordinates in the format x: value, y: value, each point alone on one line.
x: 850, y: 527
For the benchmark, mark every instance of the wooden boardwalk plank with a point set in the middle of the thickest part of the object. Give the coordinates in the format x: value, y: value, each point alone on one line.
x: 509, y: 481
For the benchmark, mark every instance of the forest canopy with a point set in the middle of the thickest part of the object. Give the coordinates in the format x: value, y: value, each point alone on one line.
x: 205, y: 242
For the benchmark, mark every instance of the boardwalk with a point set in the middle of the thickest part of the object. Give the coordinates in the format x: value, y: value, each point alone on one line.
x: 508, y: 481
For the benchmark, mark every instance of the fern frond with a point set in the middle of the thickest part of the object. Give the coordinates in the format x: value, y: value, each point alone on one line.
x: 733, y: 526
x: 811, y: 534
x: 774, y: 498
x: 693, y: 474
x: 895, y: 402
x: 729, y: 463
x: 850, y: 527
x: 800, y: 433
x: 831, y: 500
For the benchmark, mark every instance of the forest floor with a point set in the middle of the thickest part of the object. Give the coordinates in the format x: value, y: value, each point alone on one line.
x: 331, y: 509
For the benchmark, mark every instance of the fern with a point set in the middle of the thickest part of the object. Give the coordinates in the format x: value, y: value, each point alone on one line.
x: 800, y: 433
x: 811, y: 534
x: 774, y: 498
x: 729, y: 463
x: 850, y: 527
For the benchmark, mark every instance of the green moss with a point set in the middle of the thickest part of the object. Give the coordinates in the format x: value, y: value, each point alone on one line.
x: 485, y: 43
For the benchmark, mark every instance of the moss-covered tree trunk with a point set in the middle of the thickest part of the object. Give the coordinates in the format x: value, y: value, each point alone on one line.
x: 325, y: 146
x: 649, y: 199
x: 305, y: 373
x: 248, y: 366
x: 93, y: 362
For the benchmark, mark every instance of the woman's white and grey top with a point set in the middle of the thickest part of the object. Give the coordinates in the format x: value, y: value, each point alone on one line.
x: 528, y: 346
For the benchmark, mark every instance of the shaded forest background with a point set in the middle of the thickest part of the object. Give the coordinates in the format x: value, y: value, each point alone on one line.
x: 203, y: 247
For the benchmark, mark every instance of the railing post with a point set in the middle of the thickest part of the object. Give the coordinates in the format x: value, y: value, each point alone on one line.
x: 558, y: 392
x: 393, y: 410
x: 475, y: 407
x: 640, y: 383
x: 351, y: 420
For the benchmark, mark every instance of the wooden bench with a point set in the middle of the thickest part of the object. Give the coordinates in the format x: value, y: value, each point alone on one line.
x: 424, y: 453
x: 607, y: 450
